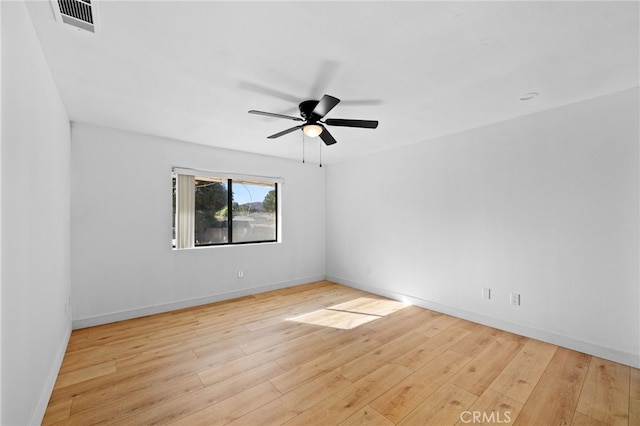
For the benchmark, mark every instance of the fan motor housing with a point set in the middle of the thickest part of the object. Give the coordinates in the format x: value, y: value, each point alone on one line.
x: 306, y: 110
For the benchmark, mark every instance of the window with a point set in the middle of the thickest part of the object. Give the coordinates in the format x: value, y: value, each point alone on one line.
x: 216, y: 209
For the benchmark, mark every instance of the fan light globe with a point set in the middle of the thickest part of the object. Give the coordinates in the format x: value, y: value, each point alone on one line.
x: 312, y: 130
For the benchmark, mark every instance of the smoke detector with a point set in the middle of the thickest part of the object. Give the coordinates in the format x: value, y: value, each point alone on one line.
x: 81, y: 14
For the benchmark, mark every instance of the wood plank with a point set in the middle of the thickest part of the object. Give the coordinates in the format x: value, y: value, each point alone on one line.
x: 128, y: 379
x: 288, y: 331
x: 84, y: 374
x: 367, y: 416
x: 521, y: 375
x: 398, y: 323
x: 385, y: 353
x: 231, y: 408
x: 478, y: 374
x: 373, y: 385
x: 634, y: 397
x: 86, y: 357
x: 352, y: 398
x: 329, y: 411
x: 276, y: 412
x: 220, y: 372
x: 110, y: 411
x: 494, y: 409
x: 57, y: 413
x: 445, y: 406
x: 580, y: 419
x: 476, y: 341
x: 341, y: 353
x: 432, y: 347
x: 151, y: 353
x: 436, y: 325
x: 213, y: 329
x: 220, y: 340
x: 468, y: 325
x: 119, y: 395
x: 177, y: 408
x: 220, y: 355
x: 555, y: 397
x: 605, y: 392
x: 404, y: 397
x: 312, y: 393
x: 300, y: 355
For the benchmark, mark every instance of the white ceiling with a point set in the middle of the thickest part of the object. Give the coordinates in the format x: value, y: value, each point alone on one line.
x: 192, y: 70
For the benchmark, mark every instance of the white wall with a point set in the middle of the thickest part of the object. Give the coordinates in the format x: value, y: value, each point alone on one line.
x: 122, y: 261
x: 545, y: 205
x: 35, y: 254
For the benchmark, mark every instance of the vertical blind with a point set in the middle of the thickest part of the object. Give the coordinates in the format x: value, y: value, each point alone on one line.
x: 185, y: 209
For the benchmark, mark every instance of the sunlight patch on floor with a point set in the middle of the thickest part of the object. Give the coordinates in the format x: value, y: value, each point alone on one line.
x: 370, y: 306
x: 351, y: 314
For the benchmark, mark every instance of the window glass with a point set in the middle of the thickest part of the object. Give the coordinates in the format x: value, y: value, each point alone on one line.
x: 211, y: 212
x: 254, y: 211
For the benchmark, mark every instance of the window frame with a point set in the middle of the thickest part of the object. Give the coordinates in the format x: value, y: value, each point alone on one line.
x: 276, y: 182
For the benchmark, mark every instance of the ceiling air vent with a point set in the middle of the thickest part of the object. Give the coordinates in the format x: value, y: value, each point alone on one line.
x: 78, y: 13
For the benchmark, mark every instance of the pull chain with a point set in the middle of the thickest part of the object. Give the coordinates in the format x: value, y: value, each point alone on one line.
x: 302, y: 147
x: 320, y: 145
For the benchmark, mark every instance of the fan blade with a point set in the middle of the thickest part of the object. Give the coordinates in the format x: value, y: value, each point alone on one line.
x: 264, y: 90
x: 324, y: 105
x: 326, y: 137
x: 272, y: 114
x: 324, y: 75
x: 284, y: 132
x: 365, y: 124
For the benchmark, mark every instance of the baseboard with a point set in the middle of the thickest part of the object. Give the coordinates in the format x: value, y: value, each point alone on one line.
x: 188, y: 303
x: 43, y: 402
x: 621, y: 357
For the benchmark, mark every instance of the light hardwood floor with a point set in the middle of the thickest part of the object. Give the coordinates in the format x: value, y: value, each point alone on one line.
x: 324, y: 354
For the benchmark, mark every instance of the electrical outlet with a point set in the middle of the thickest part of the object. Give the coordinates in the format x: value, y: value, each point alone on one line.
x: 514, y: 299
x: 240, y: 274
x: 486, y: 293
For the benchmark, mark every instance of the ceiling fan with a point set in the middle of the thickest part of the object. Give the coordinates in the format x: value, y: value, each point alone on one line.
x: 312, y: 113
